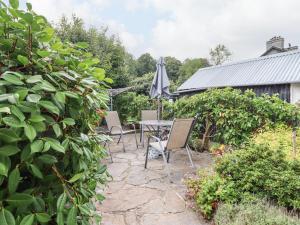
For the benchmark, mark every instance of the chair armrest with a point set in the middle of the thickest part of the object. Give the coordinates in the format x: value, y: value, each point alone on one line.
x: 121, y: 130
x: 155, y: 138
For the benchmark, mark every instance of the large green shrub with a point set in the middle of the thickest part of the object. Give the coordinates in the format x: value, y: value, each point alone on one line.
x: 49, y: 94
x: 256, y: 170
x: 256, y: 212
x: 231, y: 116
x: 130, y: 104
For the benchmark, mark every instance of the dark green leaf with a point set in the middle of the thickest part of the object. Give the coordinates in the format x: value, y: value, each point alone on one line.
x: 55, y: 145
x: 23, y: 59
x: 13, y: 79
x: 61, y: 201
x: 76, y: 177
x: 17, y: 112
x: 71, y: 218
x: 4, y: 165
x: 30, y: 132
x: 34, y: 79
x: 60, y: 218
x: 49, y: 106
x: 57, y: 130
x: 43, y: 53
x: 19, y: 199
x: 69, y: 121
x: 29, y: 6
x: 48, y: 159
x: 36, y: 118
x: 35, y: 98
x: 8, y: 150
x: 43, y: 217
x: 37, y: 146
x: 8, y: 135
x: 36, y: 171
x: 27, y: 220
x: 13, y: 121
x: 61, y: 97
x: 6, y: 217
x: 13, y: 180
x: 45, y: 85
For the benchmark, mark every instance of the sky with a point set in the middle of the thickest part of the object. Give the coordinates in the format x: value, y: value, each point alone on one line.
x: 185, y: 28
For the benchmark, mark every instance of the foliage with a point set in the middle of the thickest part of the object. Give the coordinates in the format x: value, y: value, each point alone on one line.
x: 189, y: 67
x: 219, y: 54
x: 111, y: 55
x: 255, y: 170
x: 257, y: 212
x: 50, y: 93
x: 142, y: 85
x: 173, y: 66
x: 129, y: 106
x: 280, y: 136
x: 232, y: 116
x: 145, y: 64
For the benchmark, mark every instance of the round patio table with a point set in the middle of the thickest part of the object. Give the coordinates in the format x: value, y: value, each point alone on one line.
x: 153, y: 126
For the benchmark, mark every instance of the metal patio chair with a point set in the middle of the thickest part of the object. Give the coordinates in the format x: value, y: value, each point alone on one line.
x: 148, y: 115
x: 115, y: 128
x: 178, y: 139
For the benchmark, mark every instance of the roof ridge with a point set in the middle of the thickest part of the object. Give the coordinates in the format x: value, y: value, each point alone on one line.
x: 281, y: 54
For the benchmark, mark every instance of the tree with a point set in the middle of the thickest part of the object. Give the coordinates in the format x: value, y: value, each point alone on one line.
x: 219, y: 54
x: 172, y: 66
x: 145, y: 64
x: 108, y: 49
x: 141, y: 85
x: 189, y: 67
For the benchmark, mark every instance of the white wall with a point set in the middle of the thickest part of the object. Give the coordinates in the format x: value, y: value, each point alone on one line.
x: 295, y: 93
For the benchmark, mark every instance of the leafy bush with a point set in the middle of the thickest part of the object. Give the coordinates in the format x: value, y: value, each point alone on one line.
x: 255, y: 213
x: 256, y: 170
x: 231, y: 116
x: 130, y: 104
x: 281, y: 136
x: 49, y: 96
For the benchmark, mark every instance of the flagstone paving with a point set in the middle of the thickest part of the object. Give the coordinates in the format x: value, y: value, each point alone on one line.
x: 138, y: 196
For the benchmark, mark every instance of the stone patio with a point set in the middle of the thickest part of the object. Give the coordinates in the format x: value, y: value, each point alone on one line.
x: 138, y: 196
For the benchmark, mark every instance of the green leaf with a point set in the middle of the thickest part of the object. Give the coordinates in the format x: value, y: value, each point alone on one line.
x: 5, y: 110
x: 12, y: 79
x: 30, y: 132
x: 48, y: 159
x: 17, y: 112
x: 43, y: 217
x: 29, y: 6
x: 61, y: 97
x: 14, y: 3
x: 108, y: 80
x: 61, y: 201
x: 8, y: 135
x: 45, y: 85
x: 100, y: 197
x: 13, y: 121
x: 34, y: 79
x: 36, y: 171
x: 8, y: 150
x: 19, y: 199
x: 6, y: 217
x: 23, y: 59
x: 76, y: 177
x: 36, y: 118
x: 49, y: 106
x: 71, y: 218
x: 57, y: 130
x: 4, y: 165
x: 35, y: 98
x: 37, y: 146
x: 27, y: 17
x: 55, y: 145
x: 60, y: 218
x: 69, y: 121
x: 27, y: 220
x: 43, y: 53
x: 13, y: 180
x: 82, y: 44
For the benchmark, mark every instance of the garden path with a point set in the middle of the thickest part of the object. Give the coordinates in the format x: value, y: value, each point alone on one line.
x: 138, y: 196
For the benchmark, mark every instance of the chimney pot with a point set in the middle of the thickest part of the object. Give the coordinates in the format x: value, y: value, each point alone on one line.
x: 276, y: 41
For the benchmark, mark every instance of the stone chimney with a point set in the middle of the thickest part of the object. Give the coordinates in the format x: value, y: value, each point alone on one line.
x: 277, y: 42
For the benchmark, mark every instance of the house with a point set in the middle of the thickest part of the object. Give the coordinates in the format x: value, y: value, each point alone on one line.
x: 277, y: 71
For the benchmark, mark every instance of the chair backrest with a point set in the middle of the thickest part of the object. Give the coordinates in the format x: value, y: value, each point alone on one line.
x: 179, y: 134
x: 112, y: 119
x: 149, y: 115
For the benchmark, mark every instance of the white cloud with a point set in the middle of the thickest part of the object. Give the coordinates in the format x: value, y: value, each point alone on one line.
x: 243, y: 25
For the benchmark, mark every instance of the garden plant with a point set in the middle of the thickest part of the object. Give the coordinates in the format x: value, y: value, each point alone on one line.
x: 51, y: 94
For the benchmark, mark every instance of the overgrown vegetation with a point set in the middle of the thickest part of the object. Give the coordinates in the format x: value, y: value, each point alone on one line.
x: 257, y: 212
x: 50, y: 92
x: 255, y: 170
x: 231, y: 117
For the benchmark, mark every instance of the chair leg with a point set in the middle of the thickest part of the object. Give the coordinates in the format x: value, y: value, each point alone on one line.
x: 167, y: 166
x: 147, y: 153
x: 122, y: 137
x: 189, y: 154
x: 168, y: 157
x: 119, y: 139
x: 109, y: 152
